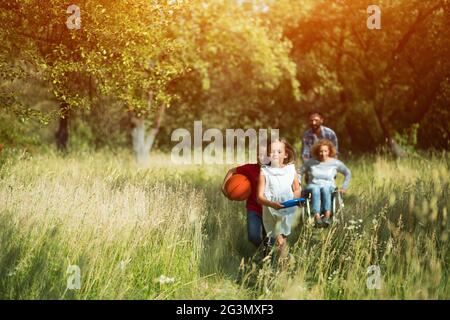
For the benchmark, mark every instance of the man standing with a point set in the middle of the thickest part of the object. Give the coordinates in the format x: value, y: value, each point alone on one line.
x: 316, y: 133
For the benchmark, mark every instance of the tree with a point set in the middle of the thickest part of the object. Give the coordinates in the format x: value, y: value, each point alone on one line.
x: 372, y: 83
x: 121, y: 49
x: 237, y: 68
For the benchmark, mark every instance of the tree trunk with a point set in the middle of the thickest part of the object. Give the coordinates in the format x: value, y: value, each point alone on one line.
x: 142, y: 143
x: 393, y: 146
x: 62, y: 135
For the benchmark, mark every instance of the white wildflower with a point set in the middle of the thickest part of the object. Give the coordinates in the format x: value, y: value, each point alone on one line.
x: 164, y: 280
x: 123, y: 264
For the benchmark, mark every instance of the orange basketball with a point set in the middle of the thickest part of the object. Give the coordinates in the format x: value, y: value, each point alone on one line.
x: 238, y: 187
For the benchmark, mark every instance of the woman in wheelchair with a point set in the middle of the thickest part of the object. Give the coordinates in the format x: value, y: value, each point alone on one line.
x: 321, y: 171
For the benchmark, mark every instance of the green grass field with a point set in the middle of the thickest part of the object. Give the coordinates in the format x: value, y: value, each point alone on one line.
x: 166, y: 232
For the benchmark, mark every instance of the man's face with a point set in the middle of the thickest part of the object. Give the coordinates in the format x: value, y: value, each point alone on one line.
x: 315, y: 121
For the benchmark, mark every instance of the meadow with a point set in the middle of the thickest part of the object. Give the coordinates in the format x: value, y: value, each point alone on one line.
x: 166, y: 232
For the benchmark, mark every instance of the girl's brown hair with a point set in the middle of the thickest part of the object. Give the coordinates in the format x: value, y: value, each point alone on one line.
x: 287, y: 146
x: 324, y: 142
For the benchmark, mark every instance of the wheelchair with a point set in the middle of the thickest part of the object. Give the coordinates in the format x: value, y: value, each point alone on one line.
x: 337, y: 206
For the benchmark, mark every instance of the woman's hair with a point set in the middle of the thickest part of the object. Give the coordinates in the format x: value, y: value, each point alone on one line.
x: 287, y: 146
x: 324, y: 142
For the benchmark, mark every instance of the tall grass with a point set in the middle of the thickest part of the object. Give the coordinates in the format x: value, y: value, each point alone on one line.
x: 166, y: 232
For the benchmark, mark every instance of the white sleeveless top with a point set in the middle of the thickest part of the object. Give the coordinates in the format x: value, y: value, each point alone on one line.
x: 279, y: 186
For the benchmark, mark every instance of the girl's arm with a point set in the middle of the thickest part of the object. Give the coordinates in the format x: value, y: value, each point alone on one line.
x: 228, y: 176
x: 262, y: 198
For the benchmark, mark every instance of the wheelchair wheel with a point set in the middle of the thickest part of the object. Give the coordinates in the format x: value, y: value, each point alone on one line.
x: 337, y: 205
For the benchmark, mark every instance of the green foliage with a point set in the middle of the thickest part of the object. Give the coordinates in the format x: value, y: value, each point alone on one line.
x: 17, y: 132
x: 122, y: 49
x: 233, y: 66
x: 369, y: 83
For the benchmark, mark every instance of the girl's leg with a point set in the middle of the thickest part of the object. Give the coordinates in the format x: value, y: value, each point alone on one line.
x: 269, y: 223
x: 281, y: 241
x: 283, y: 250
x: 315, y: 198
x: 254, y: 228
